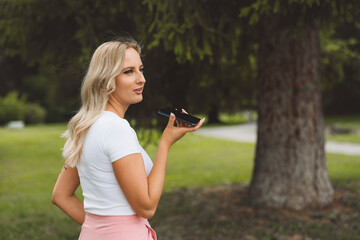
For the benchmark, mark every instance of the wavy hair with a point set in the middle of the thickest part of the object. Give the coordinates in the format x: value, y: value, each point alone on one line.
x: 98, y: 83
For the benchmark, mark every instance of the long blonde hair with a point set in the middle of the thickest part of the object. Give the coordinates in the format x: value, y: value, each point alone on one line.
x: 98, y: 83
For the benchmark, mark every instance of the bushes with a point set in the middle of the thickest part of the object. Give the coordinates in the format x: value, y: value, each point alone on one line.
x: 13, y: 107
x: 34, y: 113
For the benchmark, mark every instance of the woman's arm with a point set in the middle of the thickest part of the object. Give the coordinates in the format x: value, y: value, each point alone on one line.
x: 142, y: 192
x: 64, y: 194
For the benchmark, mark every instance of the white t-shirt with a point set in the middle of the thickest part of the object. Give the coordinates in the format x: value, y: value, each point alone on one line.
x: 108, y: 139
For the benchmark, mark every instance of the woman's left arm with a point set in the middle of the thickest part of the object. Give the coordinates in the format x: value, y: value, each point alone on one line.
x: 64, y: 194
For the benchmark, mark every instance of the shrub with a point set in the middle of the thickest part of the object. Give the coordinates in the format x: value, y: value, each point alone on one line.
x: 34, y: 113
x: 11, y: 107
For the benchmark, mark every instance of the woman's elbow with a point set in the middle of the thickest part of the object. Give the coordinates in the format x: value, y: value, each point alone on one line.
x: 146, y: 213
x: 55, y: 198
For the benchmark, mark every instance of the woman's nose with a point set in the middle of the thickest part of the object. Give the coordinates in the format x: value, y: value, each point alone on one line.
x: 141, y: 78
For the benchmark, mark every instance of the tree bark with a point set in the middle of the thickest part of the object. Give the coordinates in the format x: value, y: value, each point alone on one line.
x: 290, y: 163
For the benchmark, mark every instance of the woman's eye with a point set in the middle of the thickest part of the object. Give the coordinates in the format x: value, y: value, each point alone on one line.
x: 128, y: 72
x: 141, y: 70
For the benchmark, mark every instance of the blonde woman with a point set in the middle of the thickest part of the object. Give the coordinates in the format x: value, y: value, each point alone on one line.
x: 121, y: 186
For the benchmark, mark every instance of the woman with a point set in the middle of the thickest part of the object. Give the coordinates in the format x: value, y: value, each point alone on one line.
x: 121, y: 186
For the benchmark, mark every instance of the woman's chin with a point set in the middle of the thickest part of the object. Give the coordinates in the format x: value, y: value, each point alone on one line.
x: 138, y: 99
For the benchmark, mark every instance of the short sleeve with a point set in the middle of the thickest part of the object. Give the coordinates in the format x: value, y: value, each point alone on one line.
x: 120, y: 140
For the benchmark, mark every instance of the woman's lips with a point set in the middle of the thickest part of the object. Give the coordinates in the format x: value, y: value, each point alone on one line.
x: 138, y: 91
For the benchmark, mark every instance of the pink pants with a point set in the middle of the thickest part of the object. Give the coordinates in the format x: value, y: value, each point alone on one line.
x: 132, y: 227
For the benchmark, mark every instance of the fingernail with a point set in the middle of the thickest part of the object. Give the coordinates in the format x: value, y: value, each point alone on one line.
x: 171, y: 115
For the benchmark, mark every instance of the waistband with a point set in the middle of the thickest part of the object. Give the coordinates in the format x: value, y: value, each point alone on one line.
x: 124, y: 219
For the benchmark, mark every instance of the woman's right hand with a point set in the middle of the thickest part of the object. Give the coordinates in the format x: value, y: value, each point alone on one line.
x: 173, y: 133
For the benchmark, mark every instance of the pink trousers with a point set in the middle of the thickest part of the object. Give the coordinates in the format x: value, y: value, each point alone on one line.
x: 132, y: 227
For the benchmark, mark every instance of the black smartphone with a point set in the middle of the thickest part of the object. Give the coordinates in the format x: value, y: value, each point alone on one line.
x: 186, y: 118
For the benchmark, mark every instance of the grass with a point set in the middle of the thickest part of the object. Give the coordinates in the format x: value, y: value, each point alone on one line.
x: 344, y: 170
x: 345, y: 122
x: 350, y: 138
x: 198, y: 161
x: 30, y: 161
x: 236, y: 118
x: 350, y: 121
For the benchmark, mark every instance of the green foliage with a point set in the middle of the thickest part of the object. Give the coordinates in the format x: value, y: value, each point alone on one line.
x: 337, y: 53
x: 298, y: 12
x: 208, y: 29
x: 34, y: 113
x: 65, y: 32
x: 340, y: 67
x: 56, y: 39
x: 11, y: 107
x: 196, y: 29
x: 36, y: 88
x: 219, y: 46
x: 214, y: 37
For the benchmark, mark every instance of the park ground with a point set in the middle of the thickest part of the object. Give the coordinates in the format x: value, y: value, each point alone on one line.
x: 205, y: 195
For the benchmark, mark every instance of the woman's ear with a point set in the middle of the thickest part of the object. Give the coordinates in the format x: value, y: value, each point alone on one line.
x: 111, y: 86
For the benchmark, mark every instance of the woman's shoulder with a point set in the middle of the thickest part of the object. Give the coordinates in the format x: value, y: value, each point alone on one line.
x: 110, y: 120
x: 111, y: 126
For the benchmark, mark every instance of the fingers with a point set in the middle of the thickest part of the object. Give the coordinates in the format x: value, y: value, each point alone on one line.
x: 171, y: 119
x: 181, y: 124
x: 197, y: 126
x: 188, y: 128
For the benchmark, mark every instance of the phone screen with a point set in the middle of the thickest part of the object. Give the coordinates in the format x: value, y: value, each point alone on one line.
x: 187, y: 118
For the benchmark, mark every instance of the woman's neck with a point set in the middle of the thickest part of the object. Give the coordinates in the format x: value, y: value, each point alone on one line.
x: 116, y: 107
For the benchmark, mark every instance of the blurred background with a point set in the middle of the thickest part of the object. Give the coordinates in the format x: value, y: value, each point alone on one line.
x: 200, y: 55
x: 206, y: 62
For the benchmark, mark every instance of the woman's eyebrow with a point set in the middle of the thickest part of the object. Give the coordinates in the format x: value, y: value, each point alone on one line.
x: 132, y: 67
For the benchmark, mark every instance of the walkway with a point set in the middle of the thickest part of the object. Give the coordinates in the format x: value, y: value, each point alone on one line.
x: 247, y: 133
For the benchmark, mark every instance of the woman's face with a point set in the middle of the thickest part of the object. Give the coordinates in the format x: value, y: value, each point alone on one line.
x: 130, y: 82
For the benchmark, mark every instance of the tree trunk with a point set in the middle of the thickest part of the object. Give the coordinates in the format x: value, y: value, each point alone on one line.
x: 213, y: 114
x: 290, y: 163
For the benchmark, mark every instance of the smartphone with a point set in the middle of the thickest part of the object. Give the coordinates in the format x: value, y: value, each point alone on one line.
x: 186, y: 118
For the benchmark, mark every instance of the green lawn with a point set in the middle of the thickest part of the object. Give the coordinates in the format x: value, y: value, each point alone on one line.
x: 351, y: 138
x: 30, y: 160
x: 351, y: 121
x: 345, y: 122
